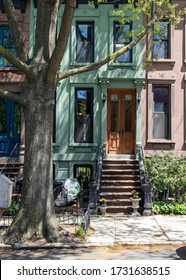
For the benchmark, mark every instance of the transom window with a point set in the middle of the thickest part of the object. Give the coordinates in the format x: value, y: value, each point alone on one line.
x: 161, y: 41
x: 122, y: 37
x: 7, y: 42
x: 83, y: 115
x: 84, y: 42
x: 161, y: 112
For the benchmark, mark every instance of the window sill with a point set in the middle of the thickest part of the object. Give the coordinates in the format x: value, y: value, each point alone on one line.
x: 79, y: 64
x: 83, y: 145
x: 162, y: 60
x: 160, y: 141
x: 130, y: 64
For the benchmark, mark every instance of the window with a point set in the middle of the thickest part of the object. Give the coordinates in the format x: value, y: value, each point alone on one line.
x: 84, y: 42
x: 161, y: 41
x: 18, y: 4
x: 161, y: 112
x: 83, y: 173
x: 83, y: 115
x: 122, y: 37
x: 7, y: 42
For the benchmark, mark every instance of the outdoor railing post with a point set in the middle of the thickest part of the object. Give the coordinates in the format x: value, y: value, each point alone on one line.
x: 93, y: 196
x: 147, y: 189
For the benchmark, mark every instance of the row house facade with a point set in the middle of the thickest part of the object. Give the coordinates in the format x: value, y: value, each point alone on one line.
x: 120, y: 105
x: 102, y: 106
x: 163, y: 96
x: 11, y: 117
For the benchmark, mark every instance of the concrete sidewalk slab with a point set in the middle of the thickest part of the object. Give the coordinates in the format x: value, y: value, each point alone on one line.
x: 130, y: 230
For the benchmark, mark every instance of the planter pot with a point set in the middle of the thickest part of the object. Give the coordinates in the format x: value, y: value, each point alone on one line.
x: 135, y: 206
x: 103, y: 210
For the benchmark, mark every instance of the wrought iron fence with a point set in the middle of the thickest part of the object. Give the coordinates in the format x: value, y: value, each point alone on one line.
x: 75, y: 216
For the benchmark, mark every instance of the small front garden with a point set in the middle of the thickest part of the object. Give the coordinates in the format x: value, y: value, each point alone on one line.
x: 168, y: 177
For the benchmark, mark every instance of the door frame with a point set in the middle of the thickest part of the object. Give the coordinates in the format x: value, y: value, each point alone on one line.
x: 124, y: 92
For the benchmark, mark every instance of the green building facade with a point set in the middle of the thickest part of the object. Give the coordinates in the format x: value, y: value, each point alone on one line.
x: 101, y: 106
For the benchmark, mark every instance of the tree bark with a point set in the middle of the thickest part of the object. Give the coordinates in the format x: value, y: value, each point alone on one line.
x: 36, y: 216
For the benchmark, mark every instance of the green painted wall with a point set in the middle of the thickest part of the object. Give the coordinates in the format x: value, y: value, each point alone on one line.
x: 66, y: 153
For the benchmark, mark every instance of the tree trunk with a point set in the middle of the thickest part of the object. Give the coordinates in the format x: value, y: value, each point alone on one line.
x: 36, y: 216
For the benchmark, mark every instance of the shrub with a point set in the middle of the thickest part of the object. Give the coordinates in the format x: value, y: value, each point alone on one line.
x: 167, y: 174
x: 167, y: 207
x: 79, y: 232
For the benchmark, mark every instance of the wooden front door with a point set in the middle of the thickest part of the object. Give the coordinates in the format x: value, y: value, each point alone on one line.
x: 121, y: 116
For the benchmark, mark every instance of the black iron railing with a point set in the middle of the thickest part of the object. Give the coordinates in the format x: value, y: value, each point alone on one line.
x: 94, y: 186
x: 145, y: 184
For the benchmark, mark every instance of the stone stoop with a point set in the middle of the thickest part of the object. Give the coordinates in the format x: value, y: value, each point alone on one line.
x: 11, y: 170
x: 119, y: 178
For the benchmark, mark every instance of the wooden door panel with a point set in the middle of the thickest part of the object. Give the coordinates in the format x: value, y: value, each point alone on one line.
x: 113, y: 144
x: 121, y: 121
x: 128, y: 141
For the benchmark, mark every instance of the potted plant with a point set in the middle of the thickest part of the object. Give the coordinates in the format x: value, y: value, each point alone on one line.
x: 103, y: 206
x: 135, y: 202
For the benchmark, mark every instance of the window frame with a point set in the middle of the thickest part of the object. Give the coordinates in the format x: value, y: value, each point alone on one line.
x: 166, y: 112
x: 91, y: 137
x: 92, y: 24
x: 115, y: 22
x: 168, y: 40
x: 12, y: 47
x: 150, y: 139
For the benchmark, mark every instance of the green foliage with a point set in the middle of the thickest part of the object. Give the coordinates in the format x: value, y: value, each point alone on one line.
x: 135, y: 194
x: 13, y: 209
x: 167, y: 207
x: 167, y: 172
x: 79, y: 232
x: 103, y: 202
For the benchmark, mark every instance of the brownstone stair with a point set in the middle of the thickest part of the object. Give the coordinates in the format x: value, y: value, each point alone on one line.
x: 119, y: 178
x: 11, y: 170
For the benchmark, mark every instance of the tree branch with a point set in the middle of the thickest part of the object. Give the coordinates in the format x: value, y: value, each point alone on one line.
x: 16, y: 34
x: 15, y: 61
x: 110, y: 57
x: 13, y: 96
x: 45, y: 34
x: 62, y: 41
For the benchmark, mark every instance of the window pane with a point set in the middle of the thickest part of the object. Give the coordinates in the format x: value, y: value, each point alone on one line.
x: 2, y: 116
x: 161, y: 41
x: 7, y: 42
x: 114, y: 113
x: 122, y: 37
x: 128, y: 113
x: 161, y: 113
x: 84, y: 115
x: 162, y: 31
x: 160, y: 50
x: 84, y: 42
x: 17, y: 118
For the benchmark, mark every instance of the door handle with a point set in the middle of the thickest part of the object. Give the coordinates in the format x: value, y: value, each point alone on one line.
x: 11, y: 134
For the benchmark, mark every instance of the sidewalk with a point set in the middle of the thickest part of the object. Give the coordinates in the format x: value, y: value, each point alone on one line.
x: 140, y: 230
x: 126, y: 230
